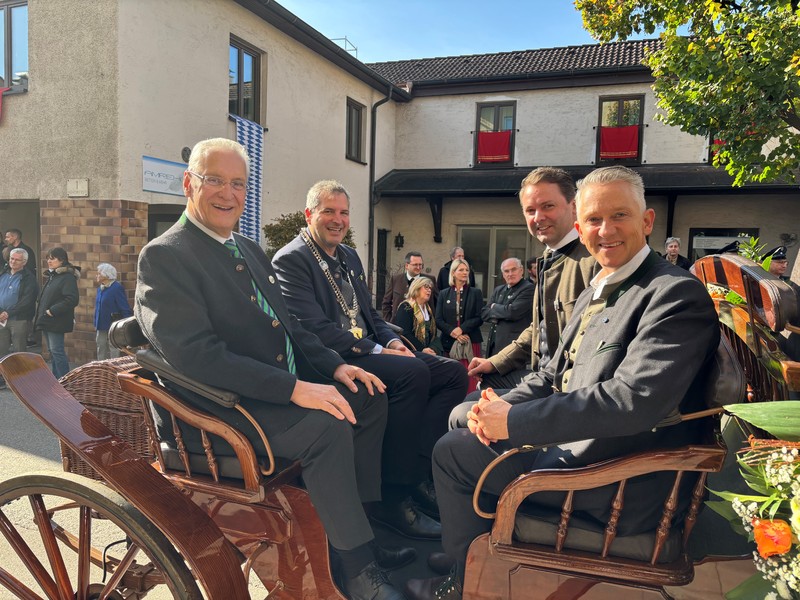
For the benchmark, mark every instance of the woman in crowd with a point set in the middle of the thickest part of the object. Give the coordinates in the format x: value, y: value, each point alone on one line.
x: 55, y: 310
x: 415, y: 316
x: 111, y: 304
x: 672, y: 249
x: 458, y: 315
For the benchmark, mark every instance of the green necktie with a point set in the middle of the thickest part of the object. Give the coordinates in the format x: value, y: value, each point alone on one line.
x: 262, y: 302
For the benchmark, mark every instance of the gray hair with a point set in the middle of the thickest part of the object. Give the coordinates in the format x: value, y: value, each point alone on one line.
x: 457, y: 262
x: 671, y: 240
x: 517, y: 262
x: 416, y: 285
x: 201, y: 150
x: 610, y: 175
x: 453, y: 251
x: 21, y: 251
x: 107, y: 271
x: 324, y: 188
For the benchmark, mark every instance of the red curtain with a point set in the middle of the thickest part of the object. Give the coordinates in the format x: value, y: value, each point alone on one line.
x: 494, y: 146
x: 619, y: 142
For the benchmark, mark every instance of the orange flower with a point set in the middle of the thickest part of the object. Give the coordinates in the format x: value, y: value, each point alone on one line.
x: 772, y: 537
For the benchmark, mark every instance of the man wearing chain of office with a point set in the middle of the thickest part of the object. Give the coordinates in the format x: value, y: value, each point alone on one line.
x: 325, y: 287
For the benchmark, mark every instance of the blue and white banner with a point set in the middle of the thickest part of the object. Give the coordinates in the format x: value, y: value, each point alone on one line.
x: 251, y: 136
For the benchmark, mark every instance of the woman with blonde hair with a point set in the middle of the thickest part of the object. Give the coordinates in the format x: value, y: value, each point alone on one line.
x: 415, y: 316
x: 458, y: 314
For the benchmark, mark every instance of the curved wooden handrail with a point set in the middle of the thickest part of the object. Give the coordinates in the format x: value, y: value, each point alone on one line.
x: 213, y: 560
x: 687, y: 458
x: 251, y: 473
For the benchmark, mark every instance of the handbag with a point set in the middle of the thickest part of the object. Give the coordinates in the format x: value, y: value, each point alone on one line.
x: 461, y: 351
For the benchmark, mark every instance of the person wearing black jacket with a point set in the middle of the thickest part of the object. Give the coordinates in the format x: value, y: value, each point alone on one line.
x: 443, y: 280
x: 55, y: 311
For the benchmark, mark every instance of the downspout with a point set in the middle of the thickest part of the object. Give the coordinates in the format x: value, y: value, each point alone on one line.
x: 373, y: 134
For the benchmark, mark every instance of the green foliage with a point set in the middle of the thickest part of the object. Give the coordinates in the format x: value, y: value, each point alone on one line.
x: 753, y: 250
x: 285, y: 228
x: 736, y: 77
x: 781, y: 419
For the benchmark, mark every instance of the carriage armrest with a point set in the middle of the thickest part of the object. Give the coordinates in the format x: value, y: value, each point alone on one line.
x: 151, y: 361
x: 697, y: 458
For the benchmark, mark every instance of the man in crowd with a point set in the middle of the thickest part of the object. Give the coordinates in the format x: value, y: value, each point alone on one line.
x: 509, y: 308
x: 778, y: 266
x: 622, y: 366
x: 398, y: 285
x: 18, y: 291
x: 530, y: 265
x: 547, y: 197
x: 324, y: 282
x: 13, y: 239
x: 443, y: 280
x: 209, y: 303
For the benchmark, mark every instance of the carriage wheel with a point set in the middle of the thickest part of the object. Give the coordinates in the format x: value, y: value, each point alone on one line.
x: 71, y: 537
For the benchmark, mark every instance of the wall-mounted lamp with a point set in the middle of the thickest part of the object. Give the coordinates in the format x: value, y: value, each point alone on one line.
x: 399, y: 240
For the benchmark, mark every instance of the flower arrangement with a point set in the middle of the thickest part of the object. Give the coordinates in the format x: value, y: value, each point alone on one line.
x: 771, y: 515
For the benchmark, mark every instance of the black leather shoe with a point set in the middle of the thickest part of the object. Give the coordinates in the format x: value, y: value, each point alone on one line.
x: 371, y: 584
x: 440, y: 563
x: 424, y: 495
x: 390, y: 559
x: 435, y: 588
x: 405, y: 519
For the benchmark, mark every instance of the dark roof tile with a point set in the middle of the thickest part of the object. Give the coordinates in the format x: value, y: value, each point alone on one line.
x: 519, y: 63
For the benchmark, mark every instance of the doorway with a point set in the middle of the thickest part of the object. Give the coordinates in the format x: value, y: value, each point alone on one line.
x: 486, y: 247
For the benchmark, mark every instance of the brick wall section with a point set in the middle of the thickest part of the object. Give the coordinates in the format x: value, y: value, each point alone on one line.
x: 92, y: 232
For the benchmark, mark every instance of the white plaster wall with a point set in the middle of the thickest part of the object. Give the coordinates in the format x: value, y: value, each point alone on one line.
x: 554, y: 127
x: 185, y: 50
x: 65, y: 126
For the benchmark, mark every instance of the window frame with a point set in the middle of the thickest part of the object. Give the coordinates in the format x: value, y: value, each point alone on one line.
x: 243, y: 48
x: 620, y: 99
x: 512, y: 141
x: 8, y: 42
x: 354, y: 146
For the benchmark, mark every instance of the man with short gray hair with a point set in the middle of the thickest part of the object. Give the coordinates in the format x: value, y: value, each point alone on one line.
x: 18, y: 291
x: 509, y: 309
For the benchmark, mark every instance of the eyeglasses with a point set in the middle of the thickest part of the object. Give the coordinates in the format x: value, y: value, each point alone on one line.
x: 237, y: 185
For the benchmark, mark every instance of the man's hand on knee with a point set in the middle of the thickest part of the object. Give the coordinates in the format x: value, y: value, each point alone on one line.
x: 317, y: 396
x: 480, y: 366
x: 348, y: 375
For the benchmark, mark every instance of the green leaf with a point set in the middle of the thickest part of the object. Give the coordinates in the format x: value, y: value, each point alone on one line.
x: 754, y: 587
x: 729, y: 496
x: 779, y: 418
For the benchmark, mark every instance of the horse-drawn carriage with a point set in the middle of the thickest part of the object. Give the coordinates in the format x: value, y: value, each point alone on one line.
x: 136, y: 516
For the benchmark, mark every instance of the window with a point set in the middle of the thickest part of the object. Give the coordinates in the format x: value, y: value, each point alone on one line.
x: 486, y: 247
x: 14, y: 45
x: 619, y: 137
x: 354, y: 149
x: 244, y: 74
x: 494, y: 141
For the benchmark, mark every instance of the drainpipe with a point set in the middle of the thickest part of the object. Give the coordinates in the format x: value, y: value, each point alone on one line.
x: 373, y: 134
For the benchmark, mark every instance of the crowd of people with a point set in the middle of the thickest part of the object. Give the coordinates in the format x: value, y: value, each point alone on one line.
x: 585, y: 355
x: 34, y: 308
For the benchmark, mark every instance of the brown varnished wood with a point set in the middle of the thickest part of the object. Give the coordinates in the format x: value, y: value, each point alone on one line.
x: 670, y: 505
x: 563, y: 524
x: 135, y: 384
x: 616, y: 511
x: 698, y: 493
x: 28, y: 558
x: 213, y: 560
x: 695, y: 458
x: 51, y: 548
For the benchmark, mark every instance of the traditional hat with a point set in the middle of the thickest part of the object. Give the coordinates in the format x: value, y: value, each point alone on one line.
x: 778, y: 253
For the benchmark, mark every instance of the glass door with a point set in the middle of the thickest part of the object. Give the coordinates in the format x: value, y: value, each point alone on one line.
x: 486, y: 247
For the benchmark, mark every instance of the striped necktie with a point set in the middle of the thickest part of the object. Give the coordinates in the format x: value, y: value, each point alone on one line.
x: 262, y: 302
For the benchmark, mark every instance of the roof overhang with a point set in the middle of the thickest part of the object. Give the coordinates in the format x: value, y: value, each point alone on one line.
x: 672, y: 178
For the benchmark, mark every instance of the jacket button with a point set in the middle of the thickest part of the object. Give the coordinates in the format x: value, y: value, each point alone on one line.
x: 279, y: 358
x: 253, y: 299
x: 271, y: 279
x: 239, y: 268
x: 275, y: 322
x: 566, y: 354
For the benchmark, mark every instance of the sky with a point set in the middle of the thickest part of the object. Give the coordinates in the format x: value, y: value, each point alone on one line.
x: 385, y: 30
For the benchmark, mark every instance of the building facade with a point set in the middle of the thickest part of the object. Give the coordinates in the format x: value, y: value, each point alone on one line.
x: 95, y: 127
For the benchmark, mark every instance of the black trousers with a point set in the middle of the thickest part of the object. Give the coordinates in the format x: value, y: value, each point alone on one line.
x: 422, y: 391
x: 341, y: 462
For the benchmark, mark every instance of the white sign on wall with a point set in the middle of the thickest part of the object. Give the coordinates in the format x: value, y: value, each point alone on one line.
x: 162, y: 176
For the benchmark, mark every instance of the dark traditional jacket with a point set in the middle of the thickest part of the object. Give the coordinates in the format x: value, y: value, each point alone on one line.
x: 509, y: 311
x: 405, y: 319
x: 446, y: 318
x: 396, y: 293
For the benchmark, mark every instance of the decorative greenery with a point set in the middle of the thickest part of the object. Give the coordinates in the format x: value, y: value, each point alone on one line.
x: 285, y: 228
x: 735, y: 77
x: 771, y: 515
